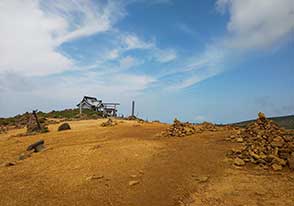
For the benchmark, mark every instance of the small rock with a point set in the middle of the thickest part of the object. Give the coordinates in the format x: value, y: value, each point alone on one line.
x: 95, y: 177
x: 278, y: 160
x: 23, y: 156
x: 276, y: 167
x: 277, y: 142
x: 9, y: 164
x: 239, y: 162
x: 291, y: 161
x: 261, y: 116
x: 201, y: 179
x: 240, y: 139
x: 133, y: 182
x: 133, y: 176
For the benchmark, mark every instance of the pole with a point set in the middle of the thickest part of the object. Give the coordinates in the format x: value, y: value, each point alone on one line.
x: 133, y: 108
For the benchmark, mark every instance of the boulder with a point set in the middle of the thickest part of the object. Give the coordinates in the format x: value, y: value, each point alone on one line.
x: 37, y: 146
x: 64, y: 126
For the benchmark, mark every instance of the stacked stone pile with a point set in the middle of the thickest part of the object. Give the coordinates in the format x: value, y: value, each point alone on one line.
x: 108, y: 123
x: 265, y: 144
x: 205, y: 126
x: 179, y: 129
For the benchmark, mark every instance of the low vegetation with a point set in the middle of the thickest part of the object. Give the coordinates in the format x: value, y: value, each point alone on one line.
x: 21, y: 120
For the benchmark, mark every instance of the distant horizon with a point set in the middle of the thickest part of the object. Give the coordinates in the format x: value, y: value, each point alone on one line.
x: 219, y: 61
x: 126, y: 115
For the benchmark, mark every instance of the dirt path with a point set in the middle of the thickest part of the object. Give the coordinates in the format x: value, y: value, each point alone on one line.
x: 91, y: 165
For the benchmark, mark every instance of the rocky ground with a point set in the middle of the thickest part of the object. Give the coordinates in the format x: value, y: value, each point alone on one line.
x: 265, y: 144
x: 130, y: 164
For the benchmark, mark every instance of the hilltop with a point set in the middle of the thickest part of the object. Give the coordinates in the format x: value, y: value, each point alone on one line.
x: 129, y: 163
x: 286, y: 122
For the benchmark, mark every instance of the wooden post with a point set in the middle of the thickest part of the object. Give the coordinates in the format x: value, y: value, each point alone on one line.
x: 133, y: 108
x: 37, y: 120
x: 81, y: 108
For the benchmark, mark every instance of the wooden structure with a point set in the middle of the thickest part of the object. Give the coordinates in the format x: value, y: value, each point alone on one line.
x: 107, y: 109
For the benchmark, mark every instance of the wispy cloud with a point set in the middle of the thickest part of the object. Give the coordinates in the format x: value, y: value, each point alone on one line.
x: 132, y: 41
x: 32, y: 31
x: 253, y: 25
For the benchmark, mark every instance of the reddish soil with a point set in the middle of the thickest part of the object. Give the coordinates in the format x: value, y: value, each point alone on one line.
x: 93, y: 165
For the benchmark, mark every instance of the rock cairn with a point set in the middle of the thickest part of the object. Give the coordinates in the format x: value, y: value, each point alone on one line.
x: 179, y: 129
x: 264, y: 143
x: 108, y: 123
x: 205, y: 126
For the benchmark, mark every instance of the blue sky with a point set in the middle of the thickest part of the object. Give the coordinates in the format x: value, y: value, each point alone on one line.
x: 210, y: 60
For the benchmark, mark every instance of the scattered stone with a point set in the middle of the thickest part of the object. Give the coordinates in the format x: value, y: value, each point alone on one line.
x: 261, y: 116
x: 182, y: 129
x: 133, y: 182
x: 239, y: 162
x: 23, y: 156
x: 179, y: 129
x: 95, y: 177
x: 264, y: 143
x: 64, y: 126
x: 37, y: 146
x: 134, y: 118
x: 98, y: 146
x: 133, y: 176
x: 277, y: 167
x: 201, y: 179
x: 109, y: 123
x: 9, y: 164
x: 206, y: 126
x: 290, y: 161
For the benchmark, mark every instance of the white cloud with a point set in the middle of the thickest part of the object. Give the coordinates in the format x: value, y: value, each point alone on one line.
x: 26, y: 44
x: 197, y: 68
x: 252, y: 25
x: 66, y: 91
x: 127, y: 62
x: 113, y: 54
x: 31, y: 32
x: 92, y: 18
x: 165, y: 55
x: 107, y: 87
x: 258, y: 24
x: 132, y: 41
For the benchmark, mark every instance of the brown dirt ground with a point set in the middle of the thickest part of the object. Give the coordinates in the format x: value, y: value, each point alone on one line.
x: 169, y: 170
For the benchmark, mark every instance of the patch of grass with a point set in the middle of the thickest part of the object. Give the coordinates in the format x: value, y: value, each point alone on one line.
x: 22, y: 119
